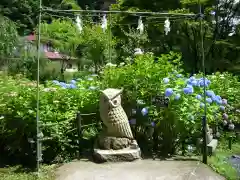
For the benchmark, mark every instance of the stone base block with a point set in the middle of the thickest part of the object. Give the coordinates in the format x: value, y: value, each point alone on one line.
x: 212, y: 146
x: 123, y: 155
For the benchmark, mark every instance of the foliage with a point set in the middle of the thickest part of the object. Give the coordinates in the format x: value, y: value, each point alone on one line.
x: 58, y: 108
x: 16, y: 173
x: 97, y: 46
x: 8, y: 38
x: 63, y: 34
x: 148, y: 77
x: 91, y: 46
x: 27, y: 64
x: 220, y: 163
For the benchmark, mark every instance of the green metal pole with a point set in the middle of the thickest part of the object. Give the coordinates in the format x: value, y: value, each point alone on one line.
x: 204, y: 122
x: 39, y: 153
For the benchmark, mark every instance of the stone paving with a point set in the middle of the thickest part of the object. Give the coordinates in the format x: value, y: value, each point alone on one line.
x: 137, y: 170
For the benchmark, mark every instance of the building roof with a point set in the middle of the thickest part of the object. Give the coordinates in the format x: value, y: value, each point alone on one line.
x: 31, y: 37
x: 50, y: 55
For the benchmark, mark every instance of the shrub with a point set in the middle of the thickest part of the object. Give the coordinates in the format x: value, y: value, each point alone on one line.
x: 59, y: 103
x: 181, y: 121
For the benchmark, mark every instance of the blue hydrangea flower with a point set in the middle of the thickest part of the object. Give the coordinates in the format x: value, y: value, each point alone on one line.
x: 63, y: 85
x: 188, y: 90
x: 168, y: 92
x: 199, y: 97
x: 73, y: 81
x: 207, y: 82
x: 210, y: 93
x: 144, y: 111
x: 209, y: 100
x: 72, y: 86
x: 166, y: 80
x: 194, y: 83
x: 177, y: 97
x: 202, y: 105
x: 217, y: 99
x: 56, y: 82
x: 219, y: 102
x: 192, y: 78
x: 189, y: 86
x: 222, y: 108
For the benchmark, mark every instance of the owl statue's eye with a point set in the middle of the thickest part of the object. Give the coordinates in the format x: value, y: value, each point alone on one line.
x: 115, y: 102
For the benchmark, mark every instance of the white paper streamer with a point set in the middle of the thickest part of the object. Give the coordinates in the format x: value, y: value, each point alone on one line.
x: 104, y: 23
x: 167, y: 26
x: 79, y: 24
x: 140, y: 25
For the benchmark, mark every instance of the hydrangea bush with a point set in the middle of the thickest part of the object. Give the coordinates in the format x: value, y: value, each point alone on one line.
x: 147, y: 77
x: 142, y: 78
x: 59, y: 104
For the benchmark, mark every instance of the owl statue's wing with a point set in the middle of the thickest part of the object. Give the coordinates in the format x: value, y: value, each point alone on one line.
x: 123, y: 128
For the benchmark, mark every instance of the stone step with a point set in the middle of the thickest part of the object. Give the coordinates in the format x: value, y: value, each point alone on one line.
x: 212, y: 146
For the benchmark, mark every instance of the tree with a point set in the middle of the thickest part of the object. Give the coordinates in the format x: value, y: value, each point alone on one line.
x: 8, y: 39
x: 97, y: 46
x: 185, y: 34
x: 25, y: 13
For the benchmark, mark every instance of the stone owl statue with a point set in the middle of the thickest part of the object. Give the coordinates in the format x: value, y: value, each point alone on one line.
x: 113, y: 114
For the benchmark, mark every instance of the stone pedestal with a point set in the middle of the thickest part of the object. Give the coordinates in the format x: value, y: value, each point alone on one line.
x: 123, y: 155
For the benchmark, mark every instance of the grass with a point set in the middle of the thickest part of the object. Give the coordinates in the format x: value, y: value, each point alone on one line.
x: 219, y: 163
x: 17, y: 173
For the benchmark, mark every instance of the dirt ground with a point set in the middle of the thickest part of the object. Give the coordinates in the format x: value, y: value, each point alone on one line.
x: 137, y: 170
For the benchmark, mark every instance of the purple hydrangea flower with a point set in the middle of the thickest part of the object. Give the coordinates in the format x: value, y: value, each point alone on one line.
x: 168, y: 92
x: 144, y: 111
x: 225, y: 116
x: 224, y: 102
x: 153, y: 124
